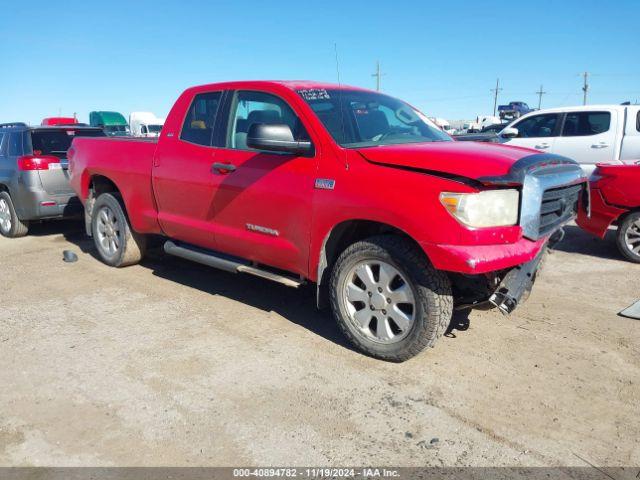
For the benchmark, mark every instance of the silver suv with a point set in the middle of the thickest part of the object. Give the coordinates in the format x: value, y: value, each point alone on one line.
x: 34, y: 182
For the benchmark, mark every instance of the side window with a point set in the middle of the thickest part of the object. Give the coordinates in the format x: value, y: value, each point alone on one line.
x: 258, y: 107
x: 2, y: 144
x: 537, y: 126
x: 201, y: 118
x: 143, y: 129
x: 638, y: 121
x: 582, y: 124
x: 15, y: 144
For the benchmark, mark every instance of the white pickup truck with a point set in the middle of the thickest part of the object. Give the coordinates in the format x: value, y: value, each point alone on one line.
x: 587, y: 134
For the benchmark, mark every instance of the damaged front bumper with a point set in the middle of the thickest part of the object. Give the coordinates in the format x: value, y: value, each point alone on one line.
x: 516, y: 285
x: 503, y: 290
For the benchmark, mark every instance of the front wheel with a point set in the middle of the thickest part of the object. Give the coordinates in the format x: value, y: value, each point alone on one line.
x: 388, y: 300
x: 628, y: 237
x: 117, y: 244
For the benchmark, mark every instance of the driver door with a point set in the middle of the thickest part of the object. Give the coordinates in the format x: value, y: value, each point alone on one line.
x: 263, y: 199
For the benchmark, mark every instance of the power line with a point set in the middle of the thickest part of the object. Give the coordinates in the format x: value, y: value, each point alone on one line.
x: 540, y: 93
x: 495, y: 97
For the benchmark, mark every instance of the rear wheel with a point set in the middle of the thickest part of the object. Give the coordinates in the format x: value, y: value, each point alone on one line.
x: 10, y: 225
x: 628, y: 237
x: 388, y: 300
x: 117, y: 244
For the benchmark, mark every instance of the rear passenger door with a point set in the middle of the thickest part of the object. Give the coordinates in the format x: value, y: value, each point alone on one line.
x: 183, y: 179
x: 589, y: 137
x: 537, y: 131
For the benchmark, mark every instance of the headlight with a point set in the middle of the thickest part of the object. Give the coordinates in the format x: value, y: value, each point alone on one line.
x: 490, y: 208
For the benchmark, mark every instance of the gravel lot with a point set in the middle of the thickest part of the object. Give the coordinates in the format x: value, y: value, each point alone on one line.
x: 171, y: 363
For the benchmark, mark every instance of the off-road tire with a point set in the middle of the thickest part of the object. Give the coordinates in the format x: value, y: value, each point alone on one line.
x: 624, y: 225
x: 131, y: 247
x: 18, y: 228
x: 431, y: 290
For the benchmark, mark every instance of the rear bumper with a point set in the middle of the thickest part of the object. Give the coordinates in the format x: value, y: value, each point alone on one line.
x: 39, y: 205
x: 602, y: 215
x: 477, y: 259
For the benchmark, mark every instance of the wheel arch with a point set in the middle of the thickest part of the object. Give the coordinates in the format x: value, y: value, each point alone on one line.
x: 97, y: 184
x: 338, y: 239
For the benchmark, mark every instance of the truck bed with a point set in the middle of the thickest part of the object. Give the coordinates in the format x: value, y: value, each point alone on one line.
x: 127, y: 162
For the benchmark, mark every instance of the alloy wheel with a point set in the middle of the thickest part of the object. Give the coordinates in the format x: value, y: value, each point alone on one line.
x: 632, y: 237
x: 5, y: 215
x: 109, y: 231
x: 379, y: 301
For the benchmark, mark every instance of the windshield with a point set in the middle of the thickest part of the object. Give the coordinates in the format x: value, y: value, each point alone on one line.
x: 116, y: 128
x: 57, y: 142
x: 154, y: 128
x: 368, y: 119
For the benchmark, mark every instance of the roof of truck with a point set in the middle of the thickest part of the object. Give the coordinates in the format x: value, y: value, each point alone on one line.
x: 291, y: 84
x: 580, y: 108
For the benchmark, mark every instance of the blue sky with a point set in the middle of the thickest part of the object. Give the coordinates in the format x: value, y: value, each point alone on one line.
x: 443, y: 57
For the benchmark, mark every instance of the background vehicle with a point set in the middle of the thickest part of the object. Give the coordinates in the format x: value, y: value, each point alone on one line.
x: 145, y: 124
x: 59, y: 121
x: 588, y: 134
x: 513, y: 110
x: 615, y: 199
x: 444, y: 125
x: 113, y: 123
x: 494, y: 128
x: 34, y: 182
x: 302, y: 181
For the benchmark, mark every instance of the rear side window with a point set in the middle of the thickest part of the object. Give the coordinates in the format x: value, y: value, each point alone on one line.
x: 15, y: 144
x: 537, y: 126
x: 57, y: 142
x: 201, y: 118
x: 583, y: 124
x: 2, y: 145
x: 638, y: 122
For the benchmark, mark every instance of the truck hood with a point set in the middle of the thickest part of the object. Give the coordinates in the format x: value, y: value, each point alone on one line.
x: 471, y: 160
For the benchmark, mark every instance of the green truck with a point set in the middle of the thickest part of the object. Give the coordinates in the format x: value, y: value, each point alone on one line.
x: 113, y: 123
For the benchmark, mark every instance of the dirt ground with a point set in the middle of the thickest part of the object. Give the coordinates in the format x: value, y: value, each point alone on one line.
x: 171, y: 363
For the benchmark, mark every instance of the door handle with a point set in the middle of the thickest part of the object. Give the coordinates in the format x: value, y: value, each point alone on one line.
x: 542, y: 145
x: 600, y: 145
x: 223, y: 167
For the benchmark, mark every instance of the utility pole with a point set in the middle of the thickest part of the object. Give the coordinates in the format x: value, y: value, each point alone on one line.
x: 378, y: 74
x: 495, y: 97
x: 540, y: 93
x: 585, y: 88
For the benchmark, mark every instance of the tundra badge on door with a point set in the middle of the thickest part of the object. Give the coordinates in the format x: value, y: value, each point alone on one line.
x: 325, y: 183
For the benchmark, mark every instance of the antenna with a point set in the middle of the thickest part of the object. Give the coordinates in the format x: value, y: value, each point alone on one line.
x: 335, y: 47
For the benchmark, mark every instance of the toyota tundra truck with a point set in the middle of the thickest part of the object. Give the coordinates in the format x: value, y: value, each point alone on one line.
x: 349, y: 189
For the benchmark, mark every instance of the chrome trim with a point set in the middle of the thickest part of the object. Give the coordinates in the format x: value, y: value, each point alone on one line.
x: 535, y: 183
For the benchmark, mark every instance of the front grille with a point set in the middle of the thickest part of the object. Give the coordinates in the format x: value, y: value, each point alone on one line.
x: 558, y: 206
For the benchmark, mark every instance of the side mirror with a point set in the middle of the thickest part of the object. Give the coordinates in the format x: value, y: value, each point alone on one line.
x: 509, y: 132
x: 276, y: 137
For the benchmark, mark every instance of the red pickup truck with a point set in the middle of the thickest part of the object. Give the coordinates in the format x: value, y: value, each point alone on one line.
x: 353, y: 190
x: 615, y: 199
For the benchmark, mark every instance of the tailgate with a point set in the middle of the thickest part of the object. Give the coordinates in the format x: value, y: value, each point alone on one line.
x: 56, y: 142
x: 55, y: 181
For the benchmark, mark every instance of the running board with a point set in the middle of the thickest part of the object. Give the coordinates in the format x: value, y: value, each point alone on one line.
x: 227, y: 264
